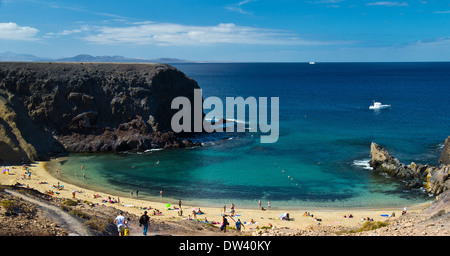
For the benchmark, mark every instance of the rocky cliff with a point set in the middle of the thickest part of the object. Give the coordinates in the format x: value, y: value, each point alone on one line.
x: 50, y: 108
x: 445, y: 156
x: 435, y: 179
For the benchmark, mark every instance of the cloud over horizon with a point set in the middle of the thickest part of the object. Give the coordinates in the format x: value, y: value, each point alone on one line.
x: 167, y: 34
x: 12, y: 31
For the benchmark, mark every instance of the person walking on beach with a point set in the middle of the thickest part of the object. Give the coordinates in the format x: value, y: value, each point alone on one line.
x: 259, y: 203
x: 161, y: 193
x: 144, y: 221
x: 238, y: 225
x: 120, y: 222
x: 224, y: 225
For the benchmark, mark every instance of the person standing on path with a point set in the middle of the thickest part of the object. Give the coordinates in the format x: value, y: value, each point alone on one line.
x: 120, y: 222
x: 144, y: 221
x: 224, y: 225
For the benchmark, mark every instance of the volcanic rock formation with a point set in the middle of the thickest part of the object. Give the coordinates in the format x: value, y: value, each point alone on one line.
x: 51, y: 108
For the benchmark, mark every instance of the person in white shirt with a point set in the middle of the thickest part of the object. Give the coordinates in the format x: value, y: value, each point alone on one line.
x: 120, y: 222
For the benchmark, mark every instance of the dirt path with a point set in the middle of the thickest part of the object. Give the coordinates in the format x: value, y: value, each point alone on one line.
x: 64, y: 219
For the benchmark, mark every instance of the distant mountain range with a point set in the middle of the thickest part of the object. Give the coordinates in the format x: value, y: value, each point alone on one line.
x: 11, y: 56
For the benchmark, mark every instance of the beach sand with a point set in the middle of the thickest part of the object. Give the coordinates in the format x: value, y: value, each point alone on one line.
x: 42, y: 181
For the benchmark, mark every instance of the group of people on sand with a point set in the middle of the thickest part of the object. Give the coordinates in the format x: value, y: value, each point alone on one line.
x: 155, y: 211
x: 58, y: 186
x: 367, y: 219
x: 237, y: 224
x: 307, y: 214
x: 197, y: 211
x: 261, y: 207
x: 111, y: 200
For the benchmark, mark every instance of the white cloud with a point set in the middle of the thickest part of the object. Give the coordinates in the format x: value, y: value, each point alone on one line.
x: 11, y: 31
x: 164, y: 34
x: 327, y: 1
x: 442, y: 41
x: 388, y: 4
x: 238, y: 7
x: 67, y: 32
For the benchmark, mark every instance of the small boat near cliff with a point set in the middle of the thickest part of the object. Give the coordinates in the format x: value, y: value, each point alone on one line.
x: 378, y: 105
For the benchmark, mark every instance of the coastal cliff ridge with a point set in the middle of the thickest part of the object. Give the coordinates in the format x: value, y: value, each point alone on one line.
x: 52, y: 108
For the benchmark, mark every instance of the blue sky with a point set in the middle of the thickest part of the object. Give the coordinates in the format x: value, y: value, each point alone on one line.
x: 218, y: 30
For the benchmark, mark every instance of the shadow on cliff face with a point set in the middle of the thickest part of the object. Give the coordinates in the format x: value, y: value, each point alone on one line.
x: 21, y: 138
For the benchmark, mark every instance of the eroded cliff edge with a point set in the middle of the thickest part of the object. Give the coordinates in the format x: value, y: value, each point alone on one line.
x: 52, y: 108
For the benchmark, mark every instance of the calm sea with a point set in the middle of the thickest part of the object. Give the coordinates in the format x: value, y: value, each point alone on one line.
x: 320, y: 158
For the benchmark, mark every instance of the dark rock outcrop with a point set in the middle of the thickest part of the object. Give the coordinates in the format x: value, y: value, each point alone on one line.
x: 445, y: 156
x: 21, y: 139
x: 435, y: 179
x: 49, y: 108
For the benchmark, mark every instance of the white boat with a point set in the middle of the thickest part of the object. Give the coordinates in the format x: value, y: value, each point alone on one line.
x: 312, y: 63
x: 378, y: 105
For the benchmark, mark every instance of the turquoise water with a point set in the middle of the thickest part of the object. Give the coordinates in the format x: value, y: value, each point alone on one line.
x: 320, y: 159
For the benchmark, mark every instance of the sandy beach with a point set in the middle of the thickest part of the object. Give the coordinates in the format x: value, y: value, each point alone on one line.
x: 43, y: 181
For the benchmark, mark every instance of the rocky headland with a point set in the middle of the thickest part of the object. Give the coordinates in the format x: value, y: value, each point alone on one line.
x: 51, y: 108
x: 434, y: 179
x: 445, y: 156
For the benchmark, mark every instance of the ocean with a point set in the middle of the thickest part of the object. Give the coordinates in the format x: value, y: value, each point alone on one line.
x: 325, y: 130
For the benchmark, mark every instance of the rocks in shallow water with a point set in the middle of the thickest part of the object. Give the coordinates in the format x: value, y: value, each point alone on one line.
x: 435, y: 179
x: 383, y: 161
x: 413, y: 184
